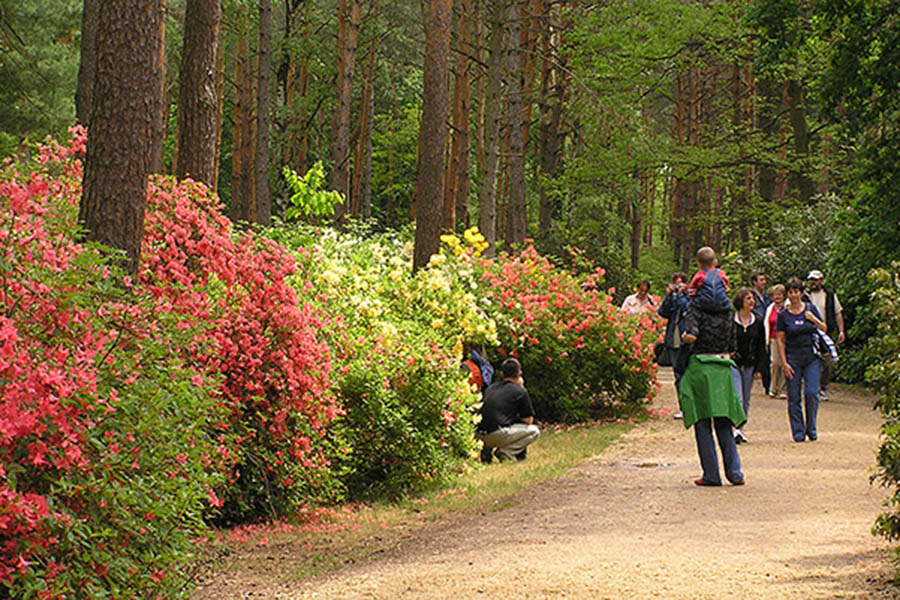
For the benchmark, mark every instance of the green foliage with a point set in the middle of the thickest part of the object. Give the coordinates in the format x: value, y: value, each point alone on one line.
x: 802, y: 239
x: 860, y: 90
x: 397, y: 342
x: 884, y: 375
x: 38, y: 69
x: 308, y: 199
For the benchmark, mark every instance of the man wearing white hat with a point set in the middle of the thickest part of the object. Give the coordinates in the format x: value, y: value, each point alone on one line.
x: 828, y: 304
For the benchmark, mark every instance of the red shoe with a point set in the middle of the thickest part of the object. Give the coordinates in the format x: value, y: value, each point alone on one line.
x: 704, y: 483
x: 738, y: 482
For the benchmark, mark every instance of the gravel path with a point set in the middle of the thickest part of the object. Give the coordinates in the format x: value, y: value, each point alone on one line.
x: 629, y: 523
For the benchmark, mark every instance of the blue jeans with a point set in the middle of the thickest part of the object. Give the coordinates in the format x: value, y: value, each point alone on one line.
x: 807, y: 368
x: 743, y: 383
x: 706, y: 448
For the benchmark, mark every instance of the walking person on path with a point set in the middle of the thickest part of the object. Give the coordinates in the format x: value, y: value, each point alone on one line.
x: 707, y: 396
x: 758, y: 284
x: 777, y: 383
x: 672, y: 309
x: 797, y: 338
x: 826, y: 301
x: 750, y: 357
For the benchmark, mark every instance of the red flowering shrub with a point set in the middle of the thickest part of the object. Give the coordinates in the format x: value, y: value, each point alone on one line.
x: 260, y: 338
x: 582, y: 357
x: 103, y: 428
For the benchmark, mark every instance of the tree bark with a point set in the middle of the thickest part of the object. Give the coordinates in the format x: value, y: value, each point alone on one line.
x: 801, y: 180
x: 360, y: 198
x: 197, y: 98
x: 457, y: 196
x: 161, y: 99
x: 516, y: 217
x: 220, y: 102
x: 348, y: 34
x: 123, y: 136
x: 429, y: 181
x: 264, y: 55
x: 635, y: 238
x: 242, y: 143
x: 551, y: 102
x: 87, y: 68
x: 768, y: 124
x: 487, y: 197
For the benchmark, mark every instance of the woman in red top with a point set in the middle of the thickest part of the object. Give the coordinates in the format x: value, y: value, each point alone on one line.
x: 777, y: 387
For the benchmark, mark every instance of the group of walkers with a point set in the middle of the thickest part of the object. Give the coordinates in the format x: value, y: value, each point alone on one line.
x: 783, y: 335
x: 718, y: 346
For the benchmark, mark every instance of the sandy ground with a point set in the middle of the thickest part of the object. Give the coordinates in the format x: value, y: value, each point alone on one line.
x: 630, y: 523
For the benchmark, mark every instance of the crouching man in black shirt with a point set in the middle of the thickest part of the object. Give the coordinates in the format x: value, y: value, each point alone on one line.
x: 507, y: 417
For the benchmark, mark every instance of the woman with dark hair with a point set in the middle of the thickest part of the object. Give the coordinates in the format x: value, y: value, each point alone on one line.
x: 639, y: 301
x: 750, y: 356
x: 776, y: 381
x: 797, y: 340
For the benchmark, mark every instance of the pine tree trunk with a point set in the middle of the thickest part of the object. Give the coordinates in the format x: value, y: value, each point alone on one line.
x: 264, y: 54
x: 796, y: 104
x: 487, y: 218
x: 551, y: 103
x: 197, y: 98
x: 480, y: 87
x: 635, y: 239
x: 220, y: 102
x: 242, y: 144
x: 362, y: 159
x: 768, y: 125
x: 516, y: 217
x: 160, y: 106
x: 124, y: 135
x: 87, y: 68
x: 433, y: 141
x: 348, y: 34
x: 457, y: 195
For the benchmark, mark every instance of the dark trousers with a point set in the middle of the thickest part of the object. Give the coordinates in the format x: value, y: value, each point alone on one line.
x: 766, y: 374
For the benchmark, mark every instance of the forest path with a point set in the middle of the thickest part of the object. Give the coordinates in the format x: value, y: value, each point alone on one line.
x: 630, y: 523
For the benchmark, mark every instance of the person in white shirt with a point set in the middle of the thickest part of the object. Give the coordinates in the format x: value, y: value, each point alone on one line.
x: 828, y: 304
x: 639, y: 301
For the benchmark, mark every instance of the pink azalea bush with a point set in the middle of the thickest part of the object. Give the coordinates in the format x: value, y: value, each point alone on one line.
x: 581, y: 355
x: 104, y: 428
x: 260, y: 337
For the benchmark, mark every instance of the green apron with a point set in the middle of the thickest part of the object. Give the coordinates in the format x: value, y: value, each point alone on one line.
x: 707, y: 391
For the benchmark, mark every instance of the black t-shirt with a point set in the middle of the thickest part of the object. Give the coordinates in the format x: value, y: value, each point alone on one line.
x: 505, y: 403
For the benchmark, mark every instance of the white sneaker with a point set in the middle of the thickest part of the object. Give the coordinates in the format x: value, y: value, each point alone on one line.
x: 823, y: 397
x: 678, y: 415
x: 740, y: 437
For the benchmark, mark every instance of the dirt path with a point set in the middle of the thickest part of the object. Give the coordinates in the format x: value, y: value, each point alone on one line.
x: 629, y: 523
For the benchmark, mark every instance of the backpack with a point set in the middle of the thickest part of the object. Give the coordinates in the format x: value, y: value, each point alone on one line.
x: 712, y: 294
x: 475, y: 377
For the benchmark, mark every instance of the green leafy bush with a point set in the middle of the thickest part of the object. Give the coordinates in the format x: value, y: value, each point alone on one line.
x: 884, y: 375
x: 397, y: 343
